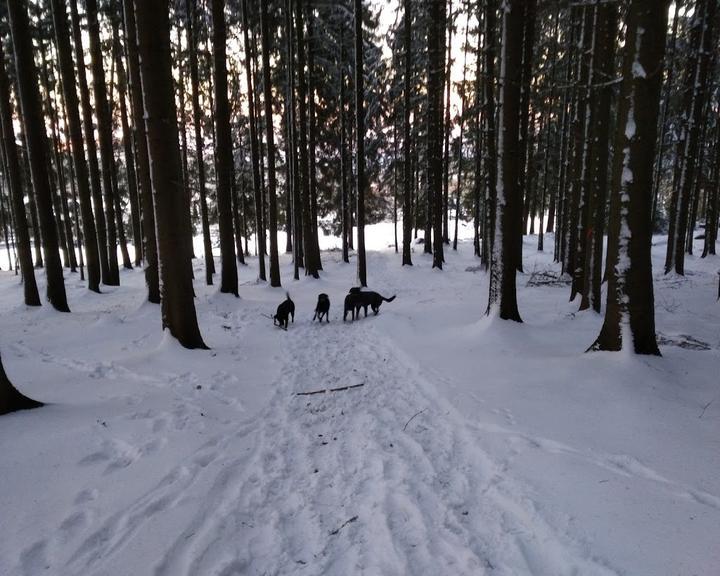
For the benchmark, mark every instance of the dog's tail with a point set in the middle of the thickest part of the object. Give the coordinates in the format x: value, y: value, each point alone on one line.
x: 388, y: 299
x: 287, y: 294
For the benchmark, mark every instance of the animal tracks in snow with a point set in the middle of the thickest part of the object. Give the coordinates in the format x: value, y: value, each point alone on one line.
x: 347, y: 482
x: 622, y: 465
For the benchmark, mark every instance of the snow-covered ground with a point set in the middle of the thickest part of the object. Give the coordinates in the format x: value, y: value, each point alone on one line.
x: 472, y: 447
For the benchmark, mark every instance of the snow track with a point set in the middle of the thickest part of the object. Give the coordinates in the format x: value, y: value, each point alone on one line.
x: 380, y: 479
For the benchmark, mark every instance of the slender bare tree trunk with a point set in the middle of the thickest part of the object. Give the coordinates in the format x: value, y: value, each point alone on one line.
x: 192, y: 25
x: 254, y: 146
x: 270, y: 137
x: 74, y: 132
x: 12, y: 172
x: 360, y: 146
x: 407, y: 153
x: 150, y: 247
x: 94, y: 169
x: 502, y: 298
x: 38, y: 152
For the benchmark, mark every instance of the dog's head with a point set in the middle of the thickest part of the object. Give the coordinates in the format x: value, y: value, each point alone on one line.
x: 323, y: 297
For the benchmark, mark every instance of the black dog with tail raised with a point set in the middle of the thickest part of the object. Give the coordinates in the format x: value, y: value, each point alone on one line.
x: 358, y: 298
x: 284, y: 310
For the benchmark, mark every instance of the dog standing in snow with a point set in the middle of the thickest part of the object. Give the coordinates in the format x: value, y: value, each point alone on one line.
x: 284, y: 310
x: 322, y: 308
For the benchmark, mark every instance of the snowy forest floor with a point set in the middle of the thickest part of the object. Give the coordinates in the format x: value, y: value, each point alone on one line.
x: 472, y: 447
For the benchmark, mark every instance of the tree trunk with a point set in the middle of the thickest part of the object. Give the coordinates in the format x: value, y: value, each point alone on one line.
x: 312, y: 136
x: 502, y: 298
x: 604, y: 58
x: 463, y: 103
x: 360, y: 145
x: 270, y: 137
x: 74, y: 132
x: 11, y: 400
x: 94, y: 169
x: 150, y: 246
x: 630, y: 311
x: 32, y: 205
x: 12, y: 172
x: 310, y: 252
x: 344, y: 191
x: 62, y: 219
x: 224, y: 151
x: 711, y: 215
x: 29, y: 96
x: 104, y: 126
x: 525, y: 166
x: 407, y: 153
x: 670, y: 59
x: 577, y: 129
x: 192, y: 24
x: 178, y: 306
x: 696, y: 87
x: 128, y: 147
x: 254, y: 147
x: 436, y: 72
x: 446, y: 126
x: 491, y: 139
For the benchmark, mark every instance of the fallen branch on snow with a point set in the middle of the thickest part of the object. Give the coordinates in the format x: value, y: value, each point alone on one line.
x: 340, y: 389
x: 413, y: 418
x: 337, y: 530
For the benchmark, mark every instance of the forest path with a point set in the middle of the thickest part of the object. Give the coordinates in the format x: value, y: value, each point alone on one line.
x: 384, y: 478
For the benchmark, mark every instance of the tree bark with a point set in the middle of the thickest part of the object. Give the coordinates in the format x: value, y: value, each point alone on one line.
x: 178, y: 306
x: 37, y: 150
x: 11, y: 169
x: 312, y: 133
x: 270, y: 137
x: 104, y: 127
x: 128, y: 147
x: 150, y: 246
x: 254, y: 147
x: 696, y: 87
x: 407, y: 153
x: 94, y: 169
x: 344, y: 188
x: 224, y: 152
x: 436, y: 73
x: 502, y: 299
x: 311, y: 253
x: 630, y: 309
x: 191, y: 9
x: 360, y: 145
x: 491, y: 158
x: 12, y: 400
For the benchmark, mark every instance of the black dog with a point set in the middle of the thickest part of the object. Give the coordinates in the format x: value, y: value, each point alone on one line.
x: 352, y: 304
x: 372, y: 299
x: 322, y: 308
x: 285, y: 309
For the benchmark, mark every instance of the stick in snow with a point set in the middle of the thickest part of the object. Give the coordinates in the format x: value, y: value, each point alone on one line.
x: 337, y: 530
x: 705, y: 408
x: 413, y: 417
x: 330, y: 390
